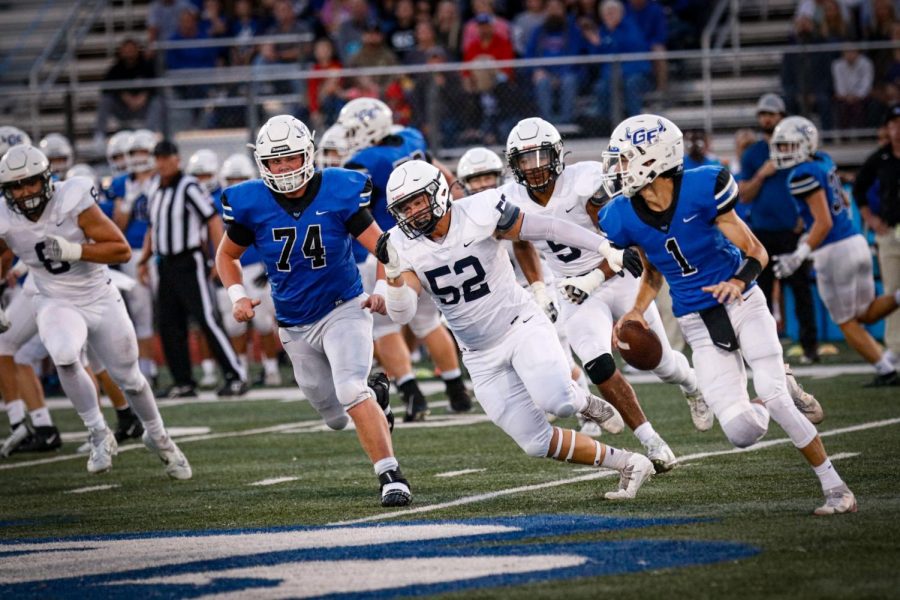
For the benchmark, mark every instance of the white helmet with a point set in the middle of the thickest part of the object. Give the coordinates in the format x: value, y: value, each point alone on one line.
x: 794, y: 141
x: 475, y: 163
x: 641, y: 149
x: 284, y: 135
x: 57, y: 149
x: 237, y: 167
x: 334, y: 149
x: 410, y: 181
x: 141, y: 140
x: 204, y: 163
x: 82, y: 170
x: 534, y: 151
x: 12, y: 136
x: 117, y: 150
x: 367, y: 121
x: 25, y: 162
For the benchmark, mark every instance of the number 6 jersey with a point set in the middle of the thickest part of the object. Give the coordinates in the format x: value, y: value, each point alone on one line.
x: 468, y: 273
x: 77, y: 282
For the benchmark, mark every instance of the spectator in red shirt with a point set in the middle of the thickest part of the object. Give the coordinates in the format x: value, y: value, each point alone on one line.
x: 472, y: 29
x: 488, y: 44
x: 326, y: 95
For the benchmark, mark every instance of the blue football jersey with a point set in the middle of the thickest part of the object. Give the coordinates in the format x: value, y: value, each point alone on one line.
x: 305, y: 247
x: 140, y: 212
x: 251, y: 256
x: 378, y: 162
x: 820, y: 173
x: 684, y: 243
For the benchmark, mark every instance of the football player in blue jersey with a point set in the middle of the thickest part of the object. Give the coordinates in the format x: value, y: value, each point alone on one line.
x: 376, y: 148
x: 684, y: 221
x: 840, y: 254
x: 130, y: 195
x: 302, y: 222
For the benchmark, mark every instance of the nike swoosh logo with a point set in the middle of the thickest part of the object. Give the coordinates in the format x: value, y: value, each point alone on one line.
x: 568, y: 210
x: 466, y: 244
x: 52, y: 438
x: 689, y: 219
x: 60, y: 224
x: 528, y: 319
x: 321, y: 212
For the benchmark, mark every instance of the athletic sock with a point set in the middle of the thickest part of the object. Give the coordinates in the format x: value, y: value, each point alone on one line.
x: 645, y: 433
x: 828, y: 475
x: 884, y: 365
x: 79, y: 387
x: 452, y: 374
x: 386, y: 464
x: 615, y: 458
x: 40, y: 417
x: 270, y: 365
x: 15, y: 410
x: 404, y: 379
x: 209, y: 366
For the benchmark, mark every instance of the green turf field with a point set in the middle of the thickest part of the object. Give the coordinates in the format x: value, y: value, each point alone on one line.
x: 745, y: 529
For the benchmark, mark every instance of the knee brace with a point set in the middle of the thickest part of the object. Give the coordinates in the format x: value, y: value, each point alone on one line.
x: 539, y: 445
x: 746, y: 427
x: 600, y: 369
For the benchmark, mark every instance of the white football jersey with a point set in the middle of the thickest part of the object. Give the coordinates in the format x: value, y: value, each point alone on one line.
x: 77, y: 282
x: 575, y: 185
x: 469, y: 273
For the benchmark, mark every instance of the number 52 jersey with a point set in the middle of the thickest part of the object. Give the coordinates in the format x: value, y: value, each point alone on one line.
x: 78, y: 282
x: 468, y: 273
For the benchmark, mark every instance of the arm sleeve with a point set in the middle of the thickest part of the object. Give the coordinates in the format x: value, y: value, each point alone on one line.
x: 359, y: 221
x: 240, y: 234
x: 864, y: 180
x: 200, y: 201
x: 540, y: 227
x: 726, y: 192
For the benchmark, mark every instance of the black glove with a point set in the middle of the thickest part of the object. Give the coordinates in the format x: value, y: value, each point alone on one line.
x: 631, y: 262
x: 381, y: 251
x: 261, y: 280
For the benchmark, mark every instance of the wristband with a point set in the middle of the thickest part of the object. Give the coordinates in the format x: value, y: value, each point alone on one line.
x: 236, y: 292
x: 19, y: 269
x: 748, y: 271
x: 381, y: 288
x: 803, y: 250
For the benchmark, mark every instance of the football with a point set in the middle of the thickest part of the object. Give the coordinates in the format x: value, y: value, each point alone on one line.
x: 638, y: 346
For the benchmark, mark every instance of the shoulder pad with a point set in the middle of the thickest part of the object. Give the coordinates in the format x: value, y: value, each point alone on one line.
x: 587, y: 177
x: 72, y: 193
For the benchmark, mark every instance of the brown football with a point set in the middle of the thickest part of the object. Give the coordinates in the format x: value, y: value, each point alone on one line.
x: 639, y: 347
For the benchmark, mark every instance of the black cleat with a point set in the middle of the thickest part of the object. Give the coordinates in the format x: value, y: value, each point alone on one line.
x: 128, y: 427
x: 394, y: 489
x: 181, y: 391
x: 42, y: 439
x: 382, y: 388
x: 414, y: 400
x: 460, y: 401
x: 887, y: 380
x: 232, y: 388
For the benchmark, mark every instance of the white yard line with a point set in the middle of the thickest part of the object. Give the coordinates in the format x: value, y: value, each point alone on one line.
x: 598, y: 475
x: 843, y: 455
x: 274, y: 481
x: 458, y: 473
x: 93, y: 488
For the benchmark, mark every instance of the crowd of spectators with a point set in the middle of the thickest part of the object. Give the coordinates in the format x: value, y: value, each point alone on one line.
x: 846, y: 89
x: 336, y: 34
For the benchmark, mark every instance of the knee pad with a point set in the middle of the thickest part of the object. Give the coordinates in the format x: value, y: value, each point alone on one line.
x: 351, y: 393
x: 600, y: 369
x: 563, y: 404
x: 64, y: 354
x: 134, y: 382
x: 797, y: 426
x: 745, y: 428
x: 539, y: 445
x: 338, y: 423
x: 770, y: 382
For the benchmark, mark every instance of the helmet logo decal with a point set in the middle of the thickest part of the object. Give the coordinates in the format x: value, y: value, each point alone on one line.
x: 644, y: 135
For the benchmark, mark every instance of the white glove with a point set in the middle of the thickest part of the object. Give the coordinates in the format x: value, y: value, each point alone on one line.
x: 786, y: 264
x: 60, y: 249
x: 614, y: 257
x: 577, y: 289
x: 4, y: 321
x: 133, y: 191
x: 385, y: 249
x: 544, y: 300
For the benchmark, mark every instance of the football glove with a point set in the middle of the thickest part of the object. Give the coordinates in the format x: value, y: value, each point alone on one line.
x: 577, y: 289
x: 57, y: 248
x: 786, y: 264
x: 631, y: 262
x: 387, y: 255
x: 544, y: 300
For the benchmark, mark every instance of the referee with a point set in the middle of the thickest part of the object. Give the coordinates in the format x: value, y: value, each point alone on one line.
x: 180, y: 215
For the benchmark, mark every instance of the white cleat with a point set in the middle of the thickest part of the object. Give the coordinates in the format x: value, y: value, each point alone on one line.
x: 838, y: 500
x: 805, y: 402
x: 638, y: 470
x: 16, y: 437
x: 100, y: 458
x: 701, y: 415
x: 85, y: 447
x: 272, y: 379
x: 604, y: 414
x: 209, y: 380
x: 661, y: 455
x: 177, y: 465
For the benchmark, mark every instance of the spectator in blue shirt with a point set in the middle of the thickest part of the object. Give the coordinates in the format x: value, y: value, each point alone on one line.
x: 189, y: 29
x: 619, y: 35
x: 557, y: 36
x: 696, y: 150
x: 775, y: 220
x: 651, y: 19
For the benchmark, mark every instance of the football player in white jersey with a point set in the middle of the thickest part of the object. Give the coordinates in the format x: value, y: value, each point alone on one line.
x: 334, y: 148
x: 452, y: 251
x: 66, y: 241
x: 545, y: 185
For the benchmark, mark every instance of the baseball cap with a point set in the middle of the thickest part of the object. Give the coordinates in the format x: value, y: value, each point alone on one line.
x: 373, y: 25
x: 771, y: 103
x: 165, y: 148
x: 892, y: 113
x: 484, y: 19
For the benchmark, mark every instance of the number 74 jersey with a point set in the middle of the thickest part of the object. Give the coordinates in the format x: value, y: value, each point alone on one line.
x: 79, y: 282
x: 468, y: 273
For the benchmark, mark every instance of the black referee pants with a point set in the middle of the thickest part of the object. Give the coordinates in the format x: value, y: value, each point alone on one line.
x: 183, y: 292
x: 785, y: 242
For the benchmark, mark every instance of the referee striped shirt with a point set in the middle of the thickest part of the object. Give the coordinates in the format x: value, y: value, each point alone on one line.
x: 178, y: 212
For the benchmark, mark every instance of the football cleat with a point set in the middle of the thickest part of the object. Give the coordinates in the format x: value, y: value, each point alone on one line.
x: 838, y: 500
x: 272, y: 379
x: 181, y: 391
x: 603, y: 414
x: 701, y: 415
x: 43, y: 439
x: 588, y: 428
x: 805, y: 402
x: 887, y: 380
x: 232, y: 388
x: 128, y: 427
x: 85, y: 447
x: 100, y: 459
x: 382, y: 387
x: 638, y: 470
x: 177, y: 465
x: 394, y: 489
x: 661, y: 455
x: 209, y: 380
x: 18, y: 434
x: 460, y: 401
x: 416, y: 405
